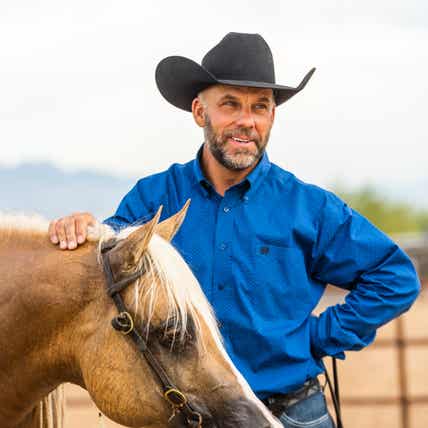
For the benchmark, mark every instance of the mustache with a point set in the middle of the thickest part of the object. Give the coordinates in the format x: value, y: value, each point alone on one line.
x: 240, y: 132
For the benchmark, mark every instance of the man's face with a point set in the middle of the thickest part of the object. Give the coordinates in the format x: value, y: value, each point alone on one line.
x: 237, y: 123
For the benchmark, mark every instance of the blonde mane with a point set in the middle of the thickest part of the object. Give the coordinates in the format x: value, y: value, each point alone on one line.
x: 167, y: 272
x: 12, y: 224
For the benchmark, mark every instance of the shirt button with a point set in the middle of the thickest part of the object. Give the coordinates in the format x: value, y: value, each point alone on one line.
x: 264, y: 250
x: 223, y: 246
x: 226, y: 209
x: 221, y: 286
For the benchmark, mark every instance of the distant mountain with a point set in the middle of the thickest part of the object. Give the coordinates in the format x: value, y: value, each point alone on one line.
x: 44, y: 189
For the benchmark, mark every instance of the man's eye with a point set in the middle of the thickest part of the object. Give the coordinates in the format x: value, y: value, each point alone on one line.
x: 261, y: 106
x: 230, y: 103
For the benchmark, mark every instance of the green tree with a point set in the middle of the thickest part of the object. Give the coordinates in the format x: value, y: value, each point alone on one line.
x: 389, y: 216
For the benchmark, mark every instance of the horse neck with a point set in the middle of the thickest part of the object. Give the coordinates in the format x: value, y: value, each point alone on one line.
x: 42, y: 293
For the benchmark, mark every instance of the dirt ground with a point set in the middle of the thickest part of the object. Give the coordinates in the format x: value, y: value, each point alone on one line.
x: 369, y: 379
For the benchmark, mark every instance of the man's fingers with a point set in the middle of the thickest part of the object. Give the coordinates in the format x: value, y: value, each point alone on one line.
x: 60, y: 231
x: 52, y: 232
x: 70, y: 232
x: 81, y: 230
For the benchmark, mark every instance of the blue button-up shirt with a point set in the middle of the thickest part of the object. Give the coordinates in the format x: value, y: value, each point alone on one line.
x: 263, y: 255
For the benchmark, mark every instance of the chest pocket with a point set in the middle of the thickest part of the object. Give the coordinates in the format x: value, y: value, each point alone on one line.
x: 278, y: 281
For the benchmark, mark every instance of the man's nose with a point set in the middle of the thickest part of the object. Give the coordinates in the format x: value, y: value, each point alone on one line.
x: 246, y: 118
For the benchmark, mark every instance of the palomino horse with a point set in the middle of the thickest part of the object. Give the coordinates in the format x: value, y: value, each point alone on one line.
x: 55, y: 327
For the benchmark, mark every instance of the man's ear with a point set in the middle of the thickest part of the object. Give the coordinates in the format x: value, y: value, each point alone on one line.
x: 169, y: 227
x: 198, y: 112
x: 273, y: 113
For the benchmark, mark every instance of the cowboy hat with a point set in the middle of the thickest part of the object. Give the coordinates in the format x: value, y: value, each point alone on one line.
x: 239, y: 59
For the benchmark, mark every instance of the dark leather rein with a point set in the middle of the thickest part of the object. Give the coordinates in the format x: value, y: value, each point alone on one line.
x: 124, y: 323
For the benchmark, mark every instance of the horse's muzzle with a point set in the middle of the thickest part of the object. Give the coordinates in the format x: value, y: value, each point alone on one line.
x: 233, y: 414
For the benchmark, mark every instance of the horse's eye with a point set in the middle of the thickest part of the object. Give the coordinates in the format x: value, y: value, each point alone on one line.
x: 175, y: 341
x: 171, y: 336
x: 167, y: 340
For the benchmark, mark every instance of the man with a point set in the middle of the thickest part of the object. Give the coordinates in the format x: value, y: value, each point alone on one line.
x: 262, y: 243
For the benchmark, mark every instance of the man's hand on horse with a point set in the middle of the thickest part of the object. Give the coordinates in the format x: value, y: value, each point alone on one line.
x: 71, y: 231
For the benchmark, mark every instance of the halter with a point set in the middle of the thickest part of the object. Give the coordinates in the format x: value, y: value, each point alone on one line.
x: 124, y: 323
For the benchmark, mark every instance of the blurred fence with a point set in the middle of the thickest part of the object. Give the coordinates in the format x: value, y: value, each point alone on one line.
x: 417, y: 248
x: 386, y: 384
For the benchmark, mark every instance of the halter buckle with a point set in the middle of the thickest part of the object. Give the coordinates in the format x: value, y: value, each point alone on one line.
x: 175, y: 397
x: 123, y: 323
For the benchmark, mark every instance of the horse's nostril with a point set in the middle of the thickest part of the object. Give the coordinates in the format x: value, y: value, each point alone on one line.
x: 243, y: 414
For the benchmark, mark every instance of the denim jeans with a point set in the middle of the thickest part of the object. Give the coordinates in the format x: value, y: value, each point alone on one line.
x: 309, y: 412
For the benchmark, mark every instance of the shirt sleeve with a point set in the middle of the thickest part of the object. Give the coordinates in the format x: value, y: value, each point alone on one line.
x: 133, y: 209
x: 353, y: 254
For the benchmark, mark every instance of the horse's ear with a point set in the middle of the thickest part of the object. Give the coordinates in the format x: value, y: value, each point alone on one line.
x: 138, y: 241
x: 169, y: 227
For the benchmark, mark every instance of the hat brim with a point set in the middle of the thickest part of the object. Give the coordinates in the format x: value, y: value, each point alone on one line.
x: 180, y: 79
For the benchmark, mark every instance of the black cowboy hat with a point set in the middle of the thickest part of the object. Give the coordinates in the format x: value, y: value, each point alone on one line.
x: 239, y: 60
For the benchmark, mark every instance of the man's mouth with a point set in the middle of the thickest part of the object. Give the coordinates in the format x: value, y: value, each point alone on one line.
x: 242, y: 140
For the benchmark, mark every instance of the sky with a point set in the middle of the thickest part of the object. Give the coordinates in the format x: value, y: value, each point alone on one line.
x: 77, y: 84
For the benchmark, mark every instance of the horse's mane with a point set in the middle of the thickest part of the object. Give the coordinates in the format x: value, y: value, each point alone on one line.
x: 35, y: 227
x: 166, y: 271
x: 14, y: 226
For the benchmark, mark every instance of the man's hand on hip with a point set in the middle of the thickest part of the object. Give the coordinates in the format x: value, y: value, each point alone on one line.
x: 71, y: 231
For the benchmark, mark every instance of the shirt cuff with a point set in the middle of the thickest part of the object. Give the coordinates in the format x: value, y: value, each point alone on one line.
x: 317, y: 347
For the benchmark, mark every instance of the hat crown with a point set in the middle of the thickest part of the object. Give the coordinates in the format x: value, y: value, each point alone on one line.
x: 241, y: 56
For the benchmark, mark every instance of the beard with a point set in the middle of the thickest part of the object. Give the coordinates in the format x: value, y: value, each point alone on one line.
x: 239, y: 159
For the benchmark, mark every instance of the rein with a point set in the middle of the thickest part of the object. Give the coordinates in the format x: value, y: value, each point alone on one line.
x: 124, y: 323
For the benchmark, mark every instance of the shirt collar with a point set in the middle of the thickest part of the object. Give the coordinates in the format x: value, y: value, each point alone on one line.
x: 254, y: 178
x: 203, y: 183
